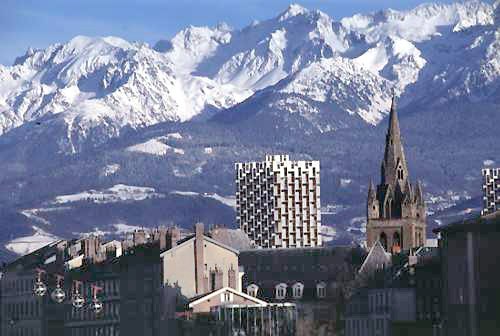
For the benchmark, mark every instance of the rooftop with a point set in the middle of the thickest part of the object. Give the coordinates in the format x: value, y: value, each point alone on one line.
x: 489, y: 223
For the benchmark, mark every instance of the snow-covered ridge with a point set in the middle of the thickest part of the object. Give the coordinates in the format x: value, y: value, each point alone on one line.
x: 230, y: 201
x: 117, y: 193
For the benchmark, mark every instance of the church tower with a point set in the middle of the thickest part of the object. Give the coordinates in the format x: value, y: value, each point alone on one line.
x: 395, y: 208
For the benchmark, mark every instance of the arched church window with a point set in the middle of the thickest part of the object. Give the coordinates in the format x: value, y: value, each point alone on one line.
x: 383, y: 240
x: 400, y: 173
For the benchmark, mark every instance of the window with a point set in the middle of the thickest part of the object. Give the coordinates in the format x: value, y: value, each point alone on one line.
x: 281, y: 291
x: 227, y: 297
x: 252, y: 290
x: 321, y: 290
x: 298, y: 290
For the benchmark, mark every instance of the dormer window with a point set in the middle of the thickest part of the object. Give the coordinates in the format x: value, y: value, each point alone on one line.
x: 252, y: 290
x: 321, y: 290
x: 298, y: 290
x: 281, y: 291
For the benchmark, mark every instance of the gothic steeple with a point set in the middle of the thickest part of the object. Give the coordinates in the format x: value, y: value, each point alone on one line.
x: 394, y: 167
x: 395, y: 208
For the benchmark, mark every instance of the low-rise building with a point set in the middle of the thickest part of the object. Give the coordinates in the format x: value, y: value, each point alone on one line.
x: 208, y: 302
x: 315, y: 279
x: 22, y: 312
x: 397, y: 298
x: 199, y: 264
x: 470, y: 276
x: 84, y: 321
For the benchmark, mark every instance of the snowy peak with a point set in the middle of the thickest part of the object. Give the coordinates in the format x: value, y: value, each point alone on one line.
x: 422, y: 22
x: 192, y: 45
x: 293, y: 10
x: 93, y: 87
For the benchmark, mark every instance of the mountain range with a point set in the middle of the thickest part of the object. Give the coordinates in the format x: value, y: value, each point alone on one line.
x: 137, y: 135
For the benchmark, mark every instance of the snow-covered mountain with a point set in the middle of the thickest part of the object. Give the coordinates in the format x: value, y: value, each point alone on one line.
x: 99, y: 112
x: 94, y: 87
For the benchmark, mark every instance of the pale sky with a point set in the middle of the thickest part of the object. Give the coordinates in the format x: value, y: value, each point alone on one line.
x: 37, y: 24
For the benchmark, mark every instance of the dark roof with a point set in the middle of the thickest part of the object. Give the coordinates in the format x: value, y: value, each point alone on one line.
x: 481, y: 224
x: 185, y: 239
x: 303, y: 251
x: 309, y: 266
x: 234, y: 238
x: 35, y: 258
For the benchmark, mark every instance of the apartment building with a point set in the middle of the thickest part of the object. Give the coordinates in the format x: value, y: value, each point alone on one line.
x: 278, y: 202
x: 491, y: 190
x: 470, y: 276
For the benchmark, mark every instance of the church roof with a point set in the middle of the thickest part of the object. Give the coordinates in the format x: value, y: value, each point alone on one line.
x: 377, y: 256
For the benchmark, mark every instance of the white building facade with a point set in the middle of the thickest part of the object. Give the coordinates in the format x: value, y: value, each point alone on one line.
x: 278, y: 202
x: 491, y: 191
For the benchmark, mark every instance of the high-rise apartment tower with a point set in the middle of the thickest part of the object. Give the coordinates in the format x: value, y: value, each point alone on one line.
x: 278, y: 202
x: 491, y: 190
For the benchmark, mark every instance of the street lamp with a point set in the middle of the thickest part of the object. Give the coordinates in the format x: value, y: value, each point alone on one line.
x: 40, y: 289
x: 96, y: 304
x: 58, y: 294
x: 77, y: 298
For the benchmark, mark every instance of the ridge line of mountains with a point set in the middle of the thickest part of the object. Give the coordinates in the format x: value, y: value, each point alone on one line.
x: 97, y: 119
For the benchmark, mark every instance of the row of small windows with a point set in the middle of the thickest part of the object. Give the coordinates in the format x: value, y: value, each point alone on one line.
x: 23, y: 309
x: 107, y: 330
x: 18, y: 286
x: 364, y: 327
x: 111, y: 310
x: 24, y: 331
x: 301, y: 267
x: 281, y: 290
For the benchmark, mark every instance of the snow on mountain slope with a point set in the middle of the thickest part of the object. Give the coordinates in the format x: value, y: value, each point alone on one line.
x: 28, y: 244
x: 117, y: 193
x: 230, y: 201
x: 90, y: 82
x: 260, y: 54
x: 337, y: 81
x: 89, y: 90
x: 422, y: 22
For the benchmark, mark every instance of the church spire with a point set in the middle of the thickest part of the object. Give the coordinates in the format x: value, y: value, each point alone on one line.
x: 394, y: 167
x: 394, y: 130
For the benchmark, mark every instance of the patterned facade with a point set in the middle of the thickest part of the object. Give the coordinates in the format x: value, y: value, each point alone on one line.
x: 395, y: 209
x: 491, y: 189
x: 278, y: 202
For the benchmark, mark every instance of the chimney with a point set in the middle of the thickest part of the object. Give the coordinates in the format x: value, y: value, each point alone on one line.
x: 175, y: 235
x: 231, y: 276
x: 199, y: 258
x: 91, y: 247
x: 160, y: 237
x: 219, y: 278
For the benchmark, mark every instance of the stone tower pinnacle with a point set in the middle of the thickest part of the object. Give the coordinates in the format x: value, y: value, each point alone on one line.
x: 394, y: 167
